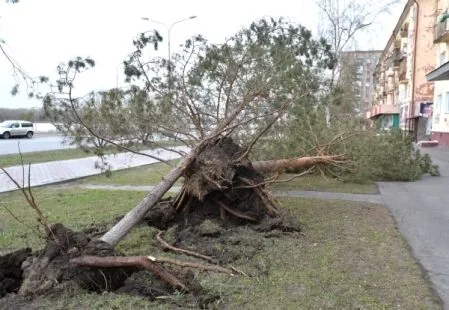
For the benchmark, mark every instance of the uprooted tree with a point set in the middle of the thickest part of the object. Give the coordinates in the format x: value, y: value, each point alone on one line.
x: 218, y: 100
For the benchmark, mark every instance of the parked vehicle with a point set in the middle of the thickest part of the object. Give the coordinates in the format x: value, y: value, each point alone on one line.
x: 10, y: 129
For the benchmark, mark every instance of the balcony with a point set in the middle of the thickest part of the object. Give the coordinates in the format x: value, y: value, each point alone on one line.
x: 442, y: 30
x: 403, y: 72
x: 383, y: 109
x: 398, y: 57
x: 404, y: 31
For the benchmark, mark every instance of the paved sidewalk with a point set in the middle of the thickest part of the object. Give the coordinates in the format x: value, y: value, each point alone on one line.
x: 421, y: 211
x: 65, y: 170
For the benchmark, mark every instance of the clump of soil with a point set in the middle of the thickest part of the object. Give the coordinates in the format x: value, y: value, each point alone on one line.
x: 50, y: 267
x: 221, y: 183
x: 223, y: 196
x: 11, y: 271
x: 223, y: 211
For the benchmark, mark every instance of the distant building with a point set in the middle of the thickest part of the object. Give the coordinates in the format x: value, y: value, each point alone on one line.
x: 358, y: 67
x: 403, y: 95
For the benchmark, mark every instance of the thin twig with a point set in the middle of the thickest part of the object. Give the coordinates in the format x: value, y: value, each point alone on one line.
x: 91, y: 131
x: 235, y: 212
x: 41, y: 218
x: 183, y: 251
x: 274, y: 180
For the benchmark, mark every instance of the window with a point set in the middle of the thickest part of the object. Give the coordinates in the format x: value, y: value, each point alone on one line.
x: 442, y: 57
x: 438, y: 103
x: 27, y: 125
x: 15, y: 125
x: 446, y: 108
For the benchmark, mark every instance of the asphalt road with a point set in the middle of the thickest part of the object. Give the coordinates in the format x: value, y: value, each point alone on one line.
x: 36, y: 144
x: 421, y: 210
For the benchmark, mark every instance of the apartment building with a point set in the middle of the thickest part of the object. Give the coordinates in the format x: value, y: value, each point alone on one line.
x: 360, y: 66
x: 403, y: 96
x: 440, y: 119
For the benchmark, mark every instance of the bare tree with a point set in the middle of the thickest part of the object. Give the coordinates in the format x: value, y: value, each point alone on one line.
x: 341, y: 21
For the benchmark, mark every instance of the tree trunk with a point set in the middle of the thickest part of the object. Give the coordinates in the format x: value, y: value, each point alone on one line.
x: 293, y: 163
x: 123, y: 227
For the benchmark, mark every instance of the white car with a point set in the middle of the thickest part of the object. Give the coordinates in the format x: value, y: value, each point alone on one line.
x: 10, y: 129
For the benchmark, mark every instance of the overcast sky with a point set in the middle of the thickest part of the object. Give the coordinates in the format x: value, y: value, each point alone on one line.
x: 39, y: 34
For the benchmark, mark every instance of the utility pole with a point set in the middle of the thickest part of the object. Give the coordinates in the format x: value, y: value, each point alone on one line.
x: 169, y: 28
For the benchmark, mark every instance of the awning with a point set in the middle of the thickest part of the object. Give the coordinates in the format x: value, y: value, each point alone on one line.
x: 439, y: 74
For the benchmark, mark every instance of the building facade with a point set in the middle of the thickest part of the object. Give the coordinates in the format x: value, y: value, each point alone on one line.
x: 358, y: 67
x: 403, y: 96
x: 440, y: 111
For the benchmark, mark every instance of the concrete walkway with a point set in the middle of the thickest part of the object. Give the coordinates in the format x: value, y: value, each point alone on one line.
x: 64, y: 170
x: 421, y: 210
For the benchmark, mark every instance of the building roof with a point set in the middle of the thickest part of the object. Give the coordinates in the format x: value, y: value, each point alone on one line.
x: 439, y: 74
x: 398, y: 26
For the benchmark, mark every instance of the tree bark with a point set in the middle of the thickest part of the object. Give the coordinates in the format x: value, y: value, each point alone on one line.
x: 124, y: 226
x: 293, y: 163
x: 133, y: 261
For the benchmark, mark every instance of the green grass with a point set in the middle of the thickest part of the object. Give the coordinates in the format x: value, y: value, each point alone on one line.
x: 349, y: 256
x: 39, y: 157
x: 323, y: 184
x: 76, y: 208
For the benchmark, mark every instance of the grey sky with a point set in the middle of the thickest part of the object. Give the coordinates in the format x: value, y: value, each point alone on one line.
x: 42, y: 33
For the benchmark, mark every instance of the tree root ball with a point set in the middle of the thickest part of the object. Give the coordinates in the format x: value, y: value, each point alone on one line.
x: 51, y: 267
x: 221, y: 183
x: 11, y: 271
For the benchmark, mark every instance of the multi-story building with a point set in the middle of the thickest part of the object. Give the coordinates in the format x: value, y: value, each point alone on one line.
x: 440, y: 111
x: 358, y: 67
x: 402, y: 92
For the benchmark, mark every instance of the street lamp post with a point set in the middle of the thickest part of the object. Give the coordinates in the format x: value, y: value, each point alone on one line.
x: 169, y: 28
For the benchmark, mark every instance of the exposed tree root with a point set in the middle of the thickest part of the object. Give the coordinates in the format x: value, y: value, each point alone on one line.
x: 183, y: 251
x: 131, y: 261
x: 150, y: 263
x: 235, y: 212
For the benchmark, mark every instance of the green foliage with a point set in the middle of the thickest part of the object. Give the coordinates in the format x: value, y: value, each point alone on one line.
x: 370, y: 155
x: 388, y: 156
x: 258, y: 72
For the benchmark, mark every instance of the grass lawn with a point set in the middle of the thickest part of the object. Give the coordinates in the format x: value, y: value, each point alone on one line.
x: 40, y: 157
x: 324, y: 184
x: 350, y: 256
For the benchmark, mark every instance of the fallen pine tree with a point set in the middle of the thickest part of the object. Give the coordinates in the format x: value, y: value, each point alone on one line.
x: 219, y: 101
x: 218, y: 187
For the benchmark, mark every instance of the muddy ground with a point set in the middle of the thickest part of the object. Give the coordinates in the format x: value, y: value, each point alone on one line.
x: 48, y: 273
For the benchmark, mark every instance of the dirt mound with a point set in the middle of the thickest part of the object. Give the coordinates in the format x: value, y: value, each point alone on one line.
x: 11, y: 271
x: 223, y: 211
x: 51, y: 266
x: 220, y: 184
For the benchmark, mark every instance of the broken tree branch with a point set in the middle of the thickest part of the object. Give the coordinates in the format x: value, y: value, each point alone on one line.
x: 147, y: 262
x: 183, y: 251
x: 295, y: 163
